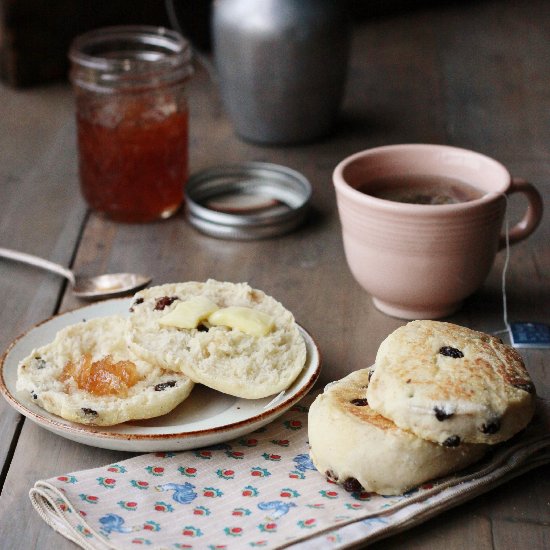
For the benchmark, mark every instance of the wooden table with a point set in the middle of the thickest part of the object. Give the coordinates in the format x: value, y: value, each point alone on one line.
x: 474, y: 75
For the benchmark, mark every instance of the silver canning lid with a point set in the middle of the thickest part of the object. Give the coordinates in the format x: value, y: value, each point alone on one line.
x: 253, y: 200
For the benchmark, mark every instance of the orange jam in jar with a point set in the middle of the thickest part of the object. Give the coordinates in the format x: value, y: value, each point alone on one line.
x: 132, y: 120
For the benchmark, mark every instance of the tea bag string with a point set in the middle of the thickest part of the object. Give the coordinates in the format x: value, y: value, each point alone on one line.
x: 507, y: 327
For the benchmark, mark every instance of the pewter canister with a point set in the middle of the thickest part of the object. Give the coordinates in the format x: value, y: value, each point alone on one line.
x: 282, y: 66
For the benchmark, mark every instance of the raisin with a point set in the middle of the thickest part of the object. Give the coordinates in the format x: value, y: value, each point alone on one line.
x: 449, y: 351
x: 136, y: 303
x: 360, y: 402
x: 163, y: 385
x: 351, y: 485
x: 441, y: 415
x: 452, y: 441
x: 491, y: 427
x: 89, y: 412
x: 529, y: 387
x: 39, y: 363
x: 331, y: 475
x: 165, y: 301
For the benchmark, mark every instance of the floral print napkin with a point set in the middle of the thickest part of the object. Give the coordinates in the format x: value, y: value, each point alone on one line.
x: 259, y: 491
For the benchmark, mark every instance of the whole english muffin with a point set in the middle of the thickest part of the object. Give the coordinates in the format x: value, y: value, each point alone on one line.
x: 221, y: 357
x: 450, y: 384
x: 361, y: 450
x: 88, y: 375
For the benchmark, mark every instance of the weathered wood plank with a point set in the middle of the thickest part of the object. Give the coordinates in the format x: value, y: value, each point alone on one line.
x: 451, y: 530
x: 40, y: 211
x: 514, y: 534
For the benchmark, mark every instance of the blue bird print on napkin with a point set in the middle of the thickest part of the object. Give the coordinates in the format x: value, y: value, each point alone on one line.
x: 278, y: 507
x: 183, y: 493
x: 112, y: 522
x: 303, y: 462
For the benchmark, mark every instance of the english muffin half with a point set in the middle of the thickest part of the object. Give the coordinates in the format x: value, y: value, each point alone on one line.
x: 227, y: 336
x: 88, y: 375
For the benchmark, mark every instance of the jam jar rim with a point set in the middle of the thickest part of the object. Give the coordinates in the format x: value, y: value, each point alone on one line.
x: 169, y: 60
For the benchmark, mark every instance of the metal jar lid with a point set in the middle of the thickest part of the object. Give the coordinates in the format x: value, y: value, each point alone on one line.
x: 253, y: 200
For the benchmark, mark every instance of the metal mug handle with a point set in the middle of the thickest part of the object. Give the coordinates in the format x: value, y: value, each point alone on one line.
x: 532, y: 216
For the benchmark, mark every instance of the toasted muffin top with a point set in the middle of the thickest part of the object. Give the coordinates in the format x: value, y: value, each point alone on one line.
x: 450, y: 384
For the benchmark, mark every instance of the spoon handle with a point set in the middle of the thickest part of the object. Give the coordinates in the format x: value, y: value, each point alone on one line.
x: 38, y: 262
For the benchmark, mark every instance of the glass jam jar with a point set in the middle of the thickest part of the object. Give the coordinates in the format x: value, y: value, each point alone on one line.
x: 132, y: 120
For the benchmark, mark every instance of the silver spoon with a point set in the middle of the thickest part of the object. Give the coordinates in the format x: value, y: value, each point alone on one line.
x: 89, y: 288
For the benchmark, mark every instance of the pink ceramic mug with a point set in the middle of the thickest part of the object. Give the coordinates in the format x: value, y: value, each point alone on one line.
x: 419, y: 261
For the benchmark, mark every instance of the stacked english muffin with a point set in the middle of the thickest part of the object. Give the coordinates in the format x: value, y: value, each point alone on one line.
x: 108, y: 370
x: 437, y: 397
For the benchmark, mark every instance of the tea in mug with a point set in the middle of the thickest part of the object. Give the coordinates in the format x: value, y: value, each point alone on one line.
x: 421, y: 189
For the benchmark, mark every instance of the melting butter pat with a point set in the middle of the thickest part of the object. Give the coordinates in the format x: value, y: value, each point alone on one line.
x: 190, y: 313
x: 247, y: 320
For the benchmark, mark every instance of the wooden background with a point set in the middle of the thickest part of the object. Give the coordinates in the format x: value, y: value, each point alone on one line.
x: 474, y: 75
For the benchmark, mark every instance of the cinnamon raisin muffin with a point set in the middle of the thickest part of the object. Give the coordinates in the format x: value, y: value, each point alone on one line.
x: 450, y: 384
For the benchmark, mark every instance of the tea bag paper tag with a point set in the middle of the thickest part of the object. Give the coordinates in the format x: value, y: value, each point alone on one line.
x: 522, y: 335
x: 530, y: 335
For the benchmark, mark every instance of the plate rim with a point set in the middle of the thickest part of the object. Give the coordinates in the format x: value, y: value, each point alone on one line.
x: 76, y: 430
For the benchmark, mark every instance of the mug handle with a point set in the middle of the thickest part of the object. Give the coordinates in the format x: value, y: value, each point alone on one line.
x: 532, y: 217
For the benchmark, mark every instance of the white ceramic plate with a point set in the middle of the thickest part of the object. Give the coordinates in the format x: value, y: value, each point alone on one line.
x: 205, y: 418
